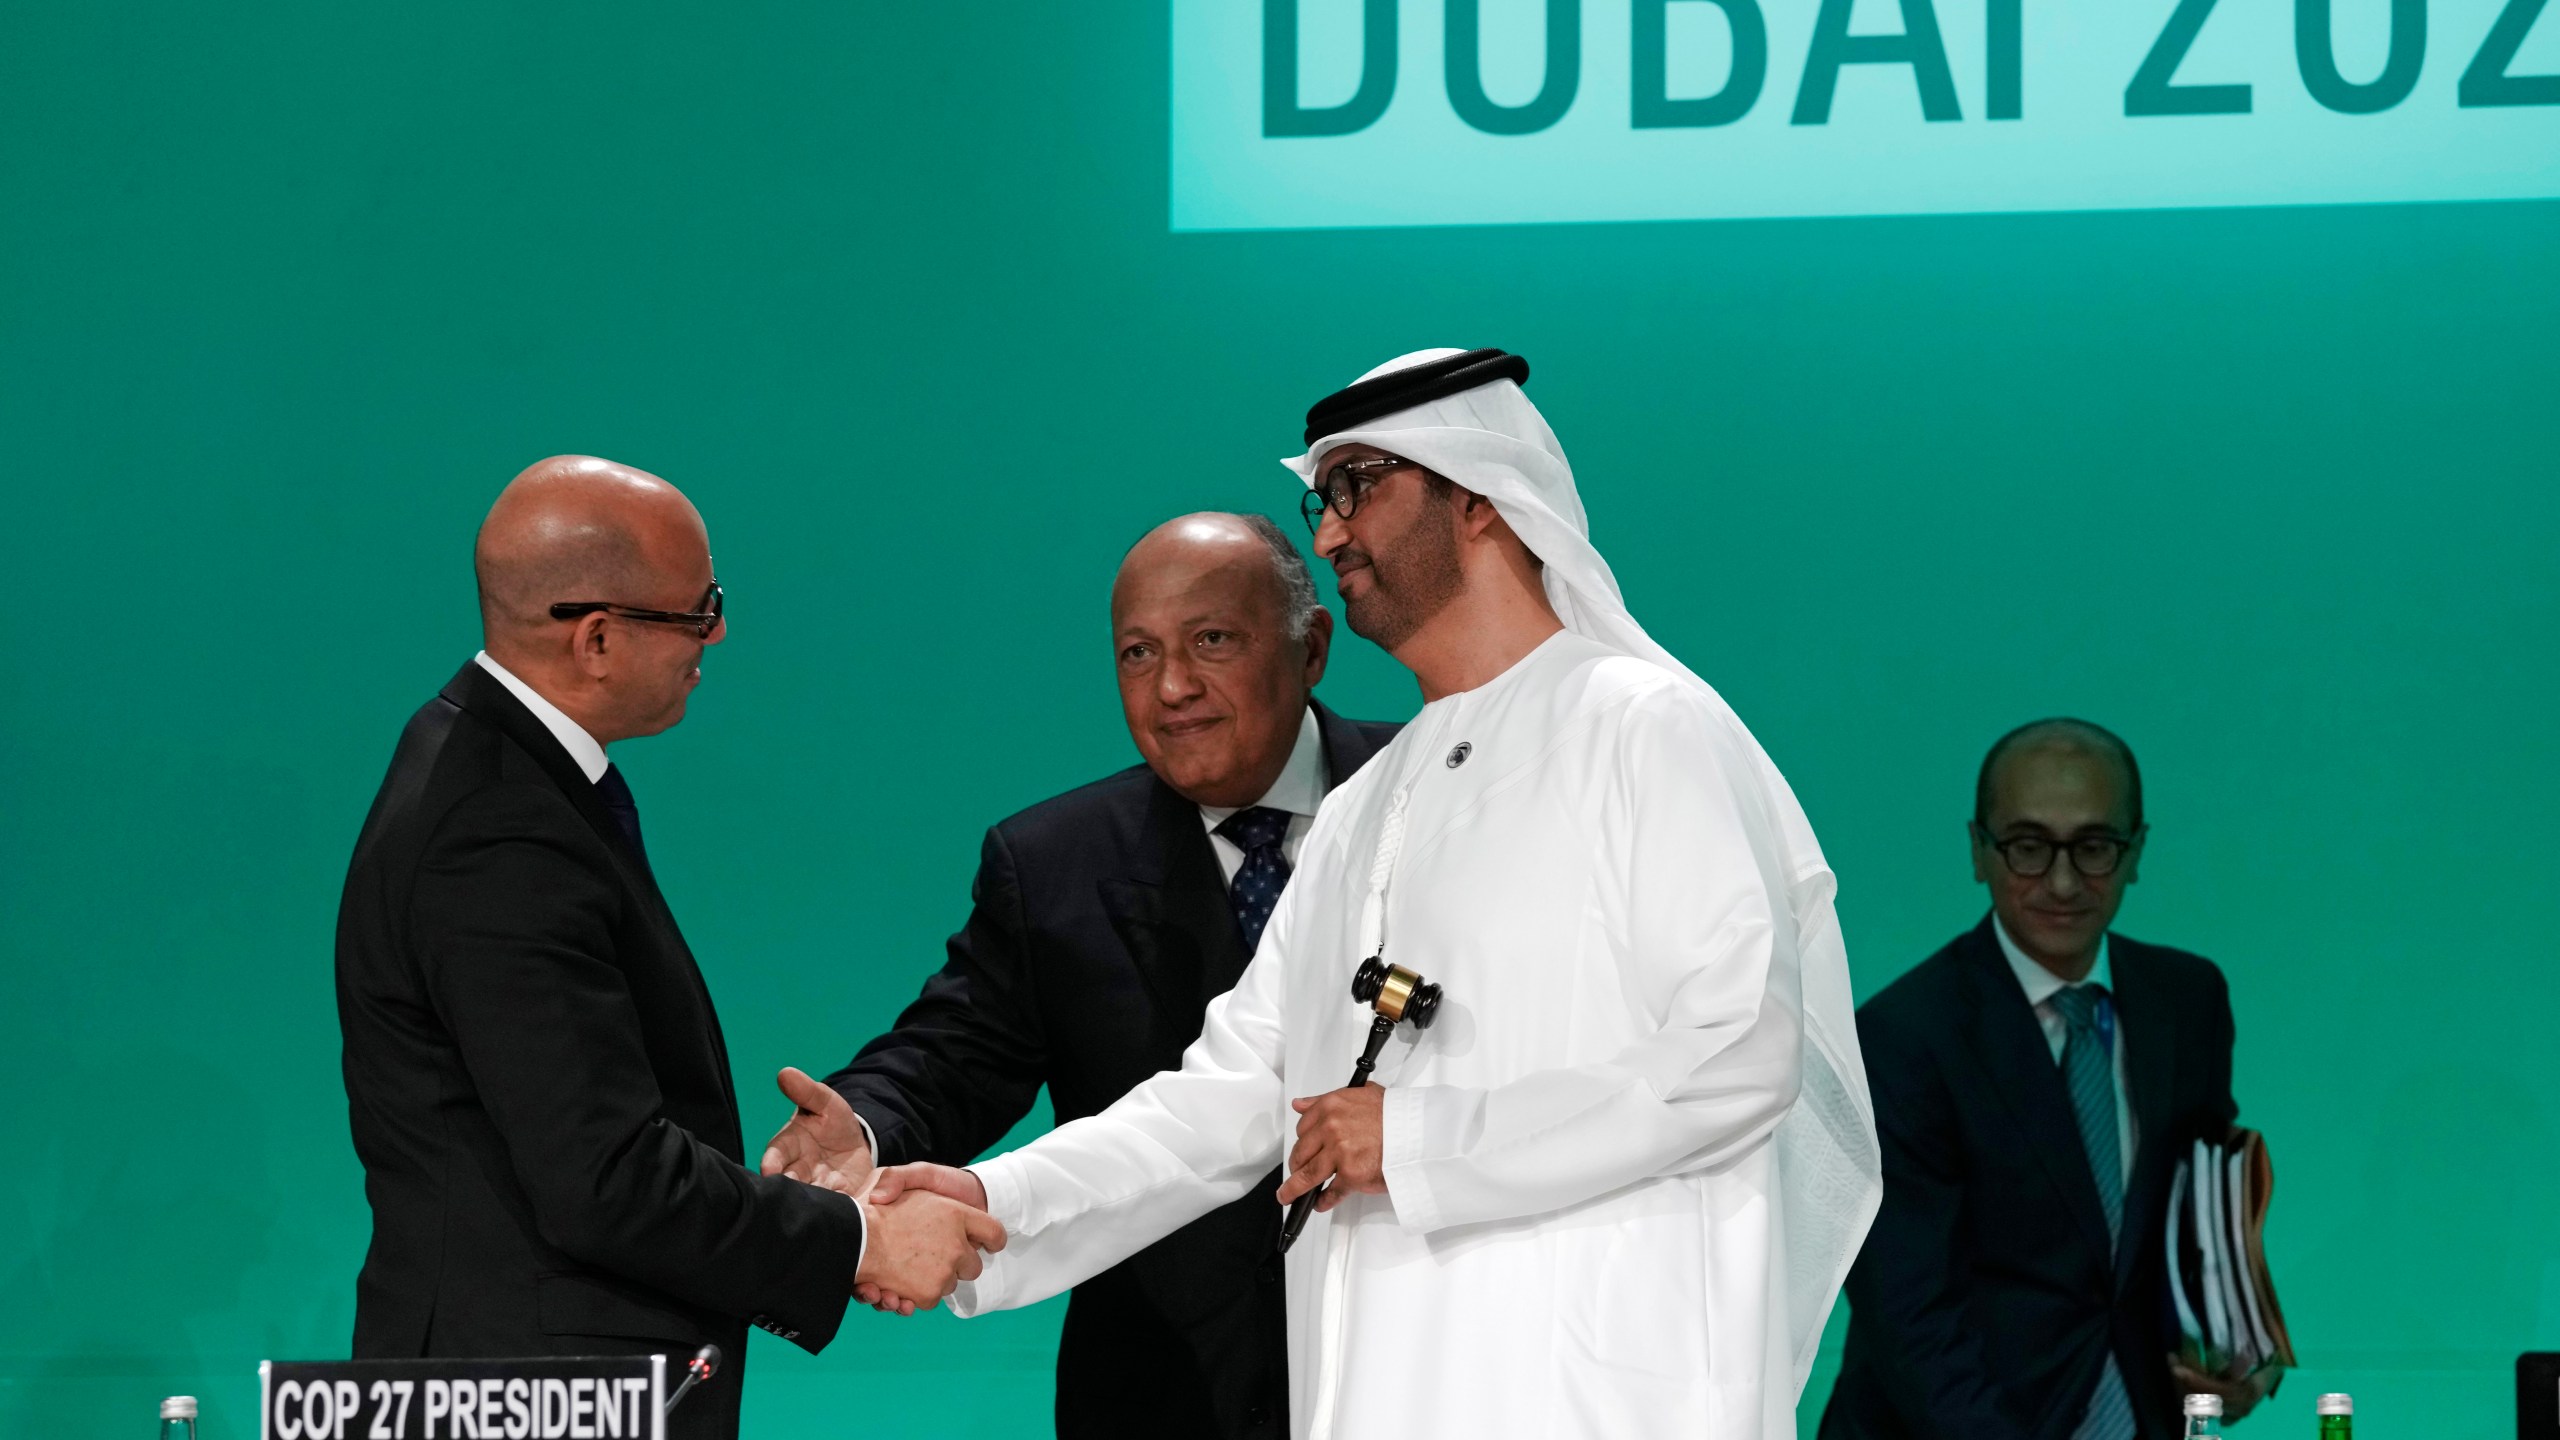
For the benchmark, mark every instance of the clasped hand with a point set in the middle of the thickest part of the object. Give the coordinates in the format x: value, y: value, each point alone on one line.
x: 920, y: 1239
x: 1341, y: 1138
x: 925, y: 1225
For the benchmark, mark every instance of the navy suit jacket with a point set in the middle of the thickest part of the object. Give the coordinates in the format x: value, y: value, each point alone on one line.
x: 1099, y: 933
x: 1988, y: 1297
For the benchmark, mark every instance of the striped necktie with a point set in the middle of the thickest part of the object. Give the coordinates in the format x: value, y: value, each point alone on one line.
x: 2089, y: 1073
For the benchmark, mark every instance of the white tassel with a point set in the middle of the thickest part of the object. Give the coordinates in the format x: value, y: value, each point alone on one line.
x: 1373, y: 906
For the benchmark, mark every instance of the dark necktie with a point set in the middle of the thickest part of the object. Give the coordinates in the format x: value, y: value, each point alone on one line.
x: 1265, y: 872
x: 2089, y: 1073
x: 615, y: 792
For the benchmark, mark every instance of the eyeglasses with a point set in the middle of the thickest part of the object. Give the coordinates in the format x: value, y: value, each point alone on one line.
x: 1343, y: 486
x: 2095, y: 857
x: 703, y: 621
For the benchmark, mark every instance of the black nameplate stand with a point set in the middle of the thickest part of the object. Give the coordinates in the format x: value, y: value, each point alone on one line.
x: 2538, y: 1395
x: 604, y: 1397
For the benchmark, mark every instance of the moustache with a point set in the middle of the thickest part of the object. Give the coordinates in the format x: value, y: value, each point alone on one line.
x: 1347, y: 559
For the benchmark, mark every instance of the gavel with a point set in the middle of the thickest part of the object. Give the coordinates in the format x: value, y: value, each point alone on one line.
x: 1397, y: 994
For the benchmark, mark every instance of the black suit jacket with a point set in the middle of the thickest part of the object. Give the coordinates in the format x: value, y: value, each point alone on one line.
x: 1099, y: 933
x: 537, y: 1084
x: 1987, y: 1298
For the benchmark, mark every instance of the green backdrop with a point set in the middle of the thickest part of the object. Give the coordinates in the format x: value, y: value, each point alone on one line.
x: 292, y: 289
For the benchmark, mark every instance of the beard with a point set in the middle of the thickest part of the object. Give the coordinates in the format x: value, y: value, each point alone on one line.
x: 1412, y: 578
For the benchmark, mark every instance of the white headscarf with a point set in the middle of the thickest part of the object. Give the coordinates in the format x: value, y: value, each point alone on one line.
x: 1492, y: 441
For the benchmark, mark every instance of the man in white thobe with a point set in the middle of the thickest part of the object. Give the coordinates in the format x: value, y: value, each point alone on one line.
x: 1613, y: 1190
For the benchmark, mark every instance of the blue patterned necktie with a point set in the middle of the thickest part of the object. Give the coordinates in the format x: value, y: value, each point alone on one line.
x: 1256, y: 889
x: 2089, y: 1073
x: 615, y: 792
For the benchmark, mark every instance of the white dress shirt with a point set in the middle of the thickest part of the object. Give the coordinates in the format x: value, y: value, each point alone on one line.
x: 2041, y: 986
x: 1299, y: 791
x: 582, y: 747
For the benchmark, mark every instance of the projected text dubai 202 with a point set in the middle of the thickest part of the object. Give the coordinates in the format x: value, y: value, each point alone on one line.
x: 1402, y: 112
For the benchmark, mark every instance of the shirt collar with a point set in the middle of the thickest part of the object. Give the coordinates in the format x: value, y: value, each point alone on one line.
x: 2040, y: 983
x: 1300, y: 788
x: 573, y: 737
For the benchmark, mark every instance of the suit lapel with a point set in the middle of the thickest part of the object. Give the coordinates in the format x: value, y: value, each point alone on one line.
x: 2013, y: 1048
x: 1170, y: 909
x: 2148, y: 1018
x: 480, y: 692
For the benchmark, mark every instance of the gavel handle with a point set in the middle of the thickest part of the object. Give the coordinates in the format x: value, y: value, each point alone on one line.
x: 1305, y: 1205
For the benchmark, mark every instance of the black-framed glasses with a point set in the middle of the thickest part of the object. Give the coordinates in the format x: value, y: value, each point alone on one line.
x: 1345, y: 484
x: 2095, y: 857
x: 704, y: 620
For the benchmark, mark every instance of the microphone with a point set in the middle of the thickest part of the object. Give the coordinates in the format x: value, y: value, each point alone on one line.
x: 1396, y: 994
x: 704, y: 1365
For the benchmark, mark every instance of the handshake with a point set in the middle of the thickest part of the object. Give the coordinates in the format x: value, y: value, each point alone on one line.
x: 923, y: 1225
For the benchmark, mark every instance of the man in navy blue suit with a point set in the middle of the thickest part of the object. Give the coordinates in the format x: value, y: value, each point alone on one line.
x: 2035, y: 1083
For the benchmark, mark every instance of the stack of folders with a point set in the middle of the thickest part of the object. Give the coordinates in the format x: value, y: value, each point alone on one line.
x: 2228, y: 1322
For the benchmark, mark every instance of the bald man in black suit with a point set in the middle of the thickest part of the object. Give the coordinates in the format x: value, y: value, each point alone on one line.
x: 535, y: 1075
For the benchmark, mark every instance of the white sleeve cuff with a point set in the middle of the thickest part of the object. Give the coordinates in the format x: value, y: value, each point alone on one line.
x: 1419, y: 1124
x: 1003, y: 1184
x: 871, y: 1147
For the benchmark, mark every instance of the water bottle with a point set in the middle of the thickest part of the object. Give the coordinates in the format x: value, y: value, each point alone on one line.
x: 2204, y: 1417
x: 178, y: 1418
x: 2337, y: 1416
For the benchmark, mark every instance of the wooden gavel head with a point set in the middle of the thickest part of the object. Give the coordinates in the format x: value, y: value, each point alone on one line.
x: 1396, y: 993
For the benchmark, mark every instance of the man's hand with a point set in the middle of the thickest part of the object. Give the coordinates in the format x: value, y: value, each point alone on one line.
x: 948, y: 1181
x: 918, y: 1248
x: 2239, y: 1397
x: 822, y: 1144
x: 1341, y: 1137
x: 901, y: 1185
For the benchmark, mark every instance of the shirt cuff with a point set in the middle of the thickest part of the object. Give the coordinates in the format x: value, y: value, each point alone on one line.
x: 1405, y: 1124
x: 862, y: 1216
x: 862, y: 1229
x: 1003, y: 1184
x: 1005, y: 1197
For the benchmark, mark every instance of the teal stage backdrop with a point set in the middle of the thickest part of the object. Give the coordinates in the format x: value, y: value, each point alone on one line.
x: 894, y: 293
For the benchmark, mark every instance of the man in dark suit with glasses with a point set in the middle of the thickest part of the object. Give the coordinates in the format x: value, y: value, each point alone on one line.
x: 2035, y: 1083
x: 536, y: 1079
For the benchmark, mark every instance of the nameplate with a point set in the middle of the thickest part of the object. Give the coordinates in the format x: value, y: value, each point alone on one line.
x: 605, y: 1397
x: 1291, y: 113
